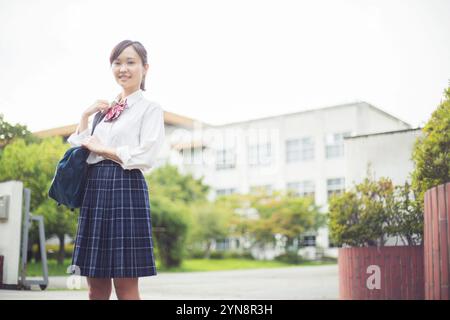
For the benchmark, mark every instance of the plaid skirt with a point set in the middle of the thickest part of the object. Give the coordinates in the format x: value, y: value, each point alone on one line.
x: 114, y: 236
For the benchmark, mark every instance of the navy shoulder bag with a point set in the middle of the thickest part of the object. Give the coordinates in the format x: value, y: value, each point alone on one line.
x: 68, y: 184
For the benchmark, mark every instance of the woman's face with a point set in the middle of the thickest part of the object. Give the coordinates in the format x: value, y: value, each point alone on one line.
x: 128, y: 69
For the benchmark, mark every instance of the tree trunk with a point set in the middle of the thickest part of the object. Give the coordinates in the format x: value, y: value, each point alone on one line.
x: 37, y: 256
x: 29, y: 251
x: 208, y: 249
x: 289, y: 247
x: 61, y: 252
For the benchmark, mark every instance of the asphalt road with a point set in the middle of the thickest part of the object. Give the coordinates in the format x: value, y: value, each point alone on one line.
x: 291, y: 283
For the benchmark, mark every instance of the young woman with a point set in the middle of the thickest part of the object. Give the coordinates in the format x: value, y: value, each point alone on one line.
x: 114, y: 237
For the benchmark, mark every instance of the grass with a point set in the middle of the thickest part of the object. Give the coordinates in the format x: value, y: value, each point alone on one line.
x: 65, y: 289
x: 188, y: 265
x: 35, y: 269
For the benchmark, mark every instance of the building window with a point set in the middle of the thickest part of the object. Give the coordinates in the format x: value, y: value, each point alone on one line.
x: 188, y: 155
x: 225, y: 159
x: 299, y: 149
x: 302, y: 188
x: 334, y: 144
x: 223, y: 244
x: 308, y: 241
x: 335, y: 186
x: 226, y: 191
x: 260, y: 154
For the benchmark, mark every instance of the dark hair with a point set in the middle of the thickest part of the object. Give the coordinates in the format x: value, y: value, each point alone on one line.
x: 139, y: 49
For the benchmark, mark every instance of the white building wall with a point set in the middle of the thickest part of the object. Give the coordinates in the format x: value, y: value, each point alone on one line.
x: 357, y: 119
x: 371, y: 120
x: 389, y: 155
x: 11, y: 231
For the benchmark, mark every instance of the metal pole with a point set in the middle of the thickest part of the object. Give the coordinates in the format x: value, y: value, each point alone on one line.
x: 26, y: 226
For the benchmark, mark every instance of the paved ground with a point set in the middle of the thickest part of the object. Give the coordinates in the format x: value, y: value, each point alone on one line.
x: 292, y: 283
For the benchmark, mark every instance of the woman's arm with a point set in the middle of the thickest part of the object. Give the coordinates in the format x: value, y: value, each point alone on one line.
x: 151, y: 139
x: 83, y: 125
x: 109, y: 153
x: 76, y: 139
x: 95, y: 145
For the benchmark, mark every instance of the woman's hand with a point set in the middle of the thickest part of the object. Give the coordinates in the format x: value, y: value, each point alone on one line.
x: 93, y: 144
x: 99, y: 105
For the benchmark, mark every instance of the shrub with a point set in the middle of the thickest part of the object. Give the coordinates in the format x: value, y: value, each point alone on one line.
x: 431, y: 153
x: 216, y: 254
x: 374, y: 211
x: 196, y: 253
x: 236, y: 254
x: 328, y: 259
x: 290, y: 257
x: 53, y: 249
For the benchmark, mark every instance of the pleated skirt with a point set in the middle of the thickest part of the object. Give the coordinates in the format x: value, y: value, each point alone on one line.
x: 114, y: 235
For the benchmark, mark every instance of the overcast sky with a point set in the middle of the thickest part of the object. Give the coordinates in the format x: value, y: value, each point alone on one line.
x: 225, y: 61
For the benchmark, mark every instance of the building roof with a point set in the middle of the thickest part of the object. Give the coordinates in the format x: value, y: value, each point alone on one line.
x: 174, y: 119
x: 170, y: 118
x: 382, y: 133
x: 344, y: 105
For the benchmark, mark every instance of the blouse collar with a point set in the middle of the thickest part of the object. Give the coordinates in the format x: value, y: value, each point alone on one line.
x: 131, y: 98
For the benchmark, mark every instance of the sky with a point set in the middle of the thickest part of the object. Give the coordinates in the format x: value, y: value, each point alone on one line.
x: 225, y: 61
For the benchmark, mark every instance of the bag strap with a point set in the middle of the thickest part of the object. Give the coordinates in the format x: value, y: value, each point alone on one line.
x: 97, y: 118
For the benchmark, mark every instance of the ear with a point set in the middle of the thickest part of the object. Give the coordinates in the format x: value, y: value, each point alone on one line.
x: 146, y: 66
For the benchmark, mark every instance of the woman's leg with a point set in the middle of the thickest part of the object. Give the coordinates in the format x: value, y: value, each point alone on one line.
x: 99, y: 288
x: 127, y: 288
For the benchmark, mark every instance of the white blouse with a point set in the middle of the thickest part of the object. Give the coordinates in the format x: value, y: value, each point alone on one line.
x: 137, y: 134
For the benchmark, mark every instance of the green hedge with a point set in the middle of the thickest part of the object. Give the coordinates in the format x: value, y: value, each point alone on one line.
x: 53, y: 249
x: 290, y: 257
x: 218, y: 254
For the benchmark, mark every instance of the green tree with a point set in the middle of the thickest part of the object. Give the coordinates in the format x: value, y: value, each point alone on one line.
x: 171, y: 220
x: 59, y: 222
x: 431, y: 153
x: 8, y: 132
x: 407, y: 218
x: 372, y: 212
x: 238, y: 206
x: 211, y: 222
x: 34, y: 164
x: 261, y: 216
x: 361, y: 217
x: 173, y: 196
x: 169, y: 181
x: 285, y: 215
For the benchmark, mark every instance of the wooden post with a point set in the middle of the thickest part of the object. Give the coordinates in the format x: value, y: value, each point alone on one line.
x: 400, y: 272
x: 437, y: 242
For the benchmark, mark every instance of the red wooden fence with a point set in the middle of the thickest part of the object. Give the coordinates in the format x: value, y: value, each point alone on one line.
x: 1, y: 270
x: 401, y: 273
x: 437, y: 242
